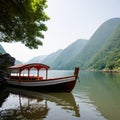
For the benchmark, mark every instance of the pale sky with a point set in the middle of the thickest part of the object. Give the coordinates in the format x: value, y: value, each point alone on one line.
x: 70, y: 20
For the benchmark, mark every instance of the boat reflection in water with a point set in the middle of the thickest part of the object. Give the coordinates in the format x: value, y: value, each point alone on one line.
x: 23, y: 104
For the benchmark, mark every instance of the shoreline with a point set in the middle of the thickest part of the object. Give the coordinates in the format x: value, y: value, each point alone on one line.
x: 111, y: 71
x: 105, y: 71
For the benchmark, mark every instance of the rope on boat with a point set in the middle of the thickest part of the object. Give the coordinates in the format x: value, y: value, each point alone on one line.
x: 78, y: 79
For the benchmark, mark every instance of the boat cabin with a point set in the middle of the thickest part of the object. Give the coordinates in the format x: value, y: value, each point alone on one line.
x: 16, y: 71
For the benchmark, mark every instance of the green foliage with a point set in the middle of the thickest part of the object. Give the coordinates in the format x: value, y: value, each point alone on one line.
x: 63, y: 61
x: 2, y: 50
x: 23, y: 20
x: 109, y: 54
x: 102, y: 51
x: 95, y: 44
x: 50, y: 59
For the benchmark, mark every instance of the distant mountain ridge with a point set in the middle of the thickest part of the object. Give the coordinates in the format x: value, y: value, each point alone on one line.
x: 89, y: 54
x: 97, y: 41
x: 37, y: 59
x: 50, y: 59
x: 109, y: 55
x: 68, y: 54
x: 101, y: 51
x: 2, y: 50
x: 60, y: 58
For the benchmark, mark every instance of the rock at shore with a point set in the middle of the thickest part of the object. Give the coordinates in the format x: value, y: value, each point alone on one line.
x: 6, y: 60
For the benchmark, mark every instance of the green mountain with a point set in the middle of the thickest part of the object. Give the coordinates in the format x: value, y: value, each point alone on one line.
x: 2, y: 50
x: 96, y: 43
x: 49, y: 60
x: 18, y: 62
x: 37, y: 59
x: 101, y: 51
x: 68, y: 54
x: 109, y: 56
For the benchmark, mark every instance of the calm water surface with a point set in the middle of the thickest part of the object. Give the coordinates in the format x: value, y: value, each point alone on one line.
x: 95, y: 97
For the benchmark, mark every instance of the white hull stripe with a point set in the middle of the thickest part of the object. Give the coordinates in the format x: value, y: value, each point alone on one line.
x: 41, y: 83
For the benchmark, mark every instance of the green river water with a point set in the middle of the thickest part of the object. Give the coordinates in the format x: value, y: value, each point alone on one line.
x: 95, y: 97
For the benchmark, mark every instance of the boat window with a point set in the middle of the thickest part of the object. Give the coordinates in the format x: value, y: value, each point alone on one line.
x: 14, y: 72
x: 24, y: 72
x: 42, y: 72
x: 33, y: 72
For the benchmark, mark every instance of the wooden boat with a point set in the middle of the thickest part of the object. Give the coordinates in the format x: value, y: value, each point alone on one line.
x: 59, y: 84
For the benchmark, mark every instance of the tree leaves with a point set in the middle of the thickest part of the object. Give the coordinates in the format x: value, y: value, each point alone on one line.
x: 23, y: 20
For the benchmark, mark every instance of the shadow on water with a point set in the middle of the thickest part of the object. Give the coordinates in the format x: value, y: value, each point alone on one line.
x: 19, y: 104
x: 3, y: 95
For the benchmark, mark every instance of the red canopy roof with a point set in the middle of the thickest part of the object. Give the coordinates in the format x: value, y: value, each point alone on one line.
x: 29, y: 66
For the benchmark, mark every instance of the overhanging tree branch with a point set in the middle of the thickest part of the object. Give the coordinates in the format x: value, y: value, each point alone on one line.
x: 23, y: 21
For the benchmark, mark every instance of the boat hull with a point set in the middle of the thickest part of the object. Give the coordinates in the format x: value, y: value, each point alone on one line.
x: 65, y: 84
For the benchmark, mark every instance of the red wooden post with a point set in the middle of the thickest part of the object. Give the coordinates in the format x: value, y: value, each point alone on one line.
x: 46, y: 73
x: 38, y: 74
x: 76, y: 72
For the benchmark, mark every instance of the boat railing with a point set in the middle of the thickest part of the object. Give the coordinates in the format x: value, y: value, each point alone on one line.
x: 26, y: 77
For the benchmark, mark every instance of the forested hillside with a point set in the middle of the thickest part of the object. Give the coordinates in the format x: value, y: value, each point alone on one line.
x: 96, y: 42
x: 100, y: 52
x: 37, y: 59
x: 2, y: 49
x: 68, y: 54
x: 49, y: 60
x: 109, y: 56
